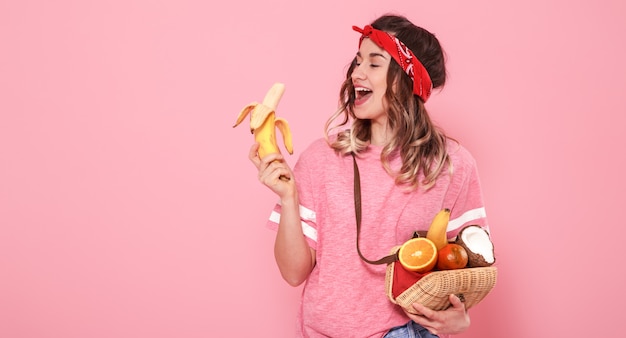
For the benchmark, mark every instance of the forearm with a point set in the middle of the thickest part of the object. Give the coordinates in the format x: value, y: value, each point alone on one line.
x: 293, y: 255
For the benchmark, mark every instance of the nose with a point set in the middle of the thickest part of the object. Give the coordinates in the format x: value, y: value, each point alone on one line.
x: 357, y: 73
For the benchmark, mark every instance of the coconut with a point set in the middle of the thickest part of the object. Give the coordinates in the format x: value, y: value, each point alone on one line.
x: 478, y: 245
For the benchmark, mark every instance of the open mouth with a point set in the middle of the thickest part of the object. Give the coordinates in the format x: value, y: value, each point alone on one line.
x: 361, y: 94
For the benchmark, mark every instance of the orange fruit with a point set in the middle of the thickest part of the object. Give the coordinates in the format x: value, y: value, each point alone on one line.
x: 452, y: 256
x: 418, y: 254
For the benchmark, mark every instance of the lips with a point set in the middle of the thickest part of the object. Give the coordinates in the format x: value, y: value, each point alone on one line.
x: 362, y: 94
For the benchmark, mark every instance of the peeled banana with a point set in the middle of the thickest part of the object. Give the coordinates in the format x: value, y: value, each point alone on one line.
x: 263, y: 122
x: 437, y: 232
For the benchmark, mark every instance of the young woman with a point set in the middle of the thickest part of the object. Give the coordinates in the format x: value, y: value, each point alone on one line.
x: 409, y: 170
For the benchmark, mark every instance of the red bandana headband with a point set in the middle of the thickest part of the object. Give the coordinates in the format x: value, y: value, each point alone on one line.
x: 422, y: 85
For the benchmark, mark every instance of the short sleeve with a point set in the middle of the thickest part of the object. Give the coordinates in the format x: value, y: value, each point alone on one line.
x: 465, y: 196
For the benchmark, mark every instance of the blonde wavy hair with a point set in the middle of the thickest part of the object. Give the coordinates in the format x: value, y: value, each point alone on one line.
x: 414, y: 137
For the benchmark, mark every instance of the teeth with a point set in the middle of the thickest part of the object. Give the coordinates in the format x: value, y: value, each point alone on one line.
x: 361, y: 91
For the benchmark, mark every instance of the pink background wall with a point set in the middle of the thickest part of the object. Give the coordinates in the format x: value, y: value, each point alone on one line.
x: 128, y: 207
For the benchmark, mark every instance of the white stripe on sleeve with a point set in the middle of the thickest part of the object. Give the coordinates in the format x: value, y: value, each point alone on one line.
x: 305, y: 214
x: 469, y: 215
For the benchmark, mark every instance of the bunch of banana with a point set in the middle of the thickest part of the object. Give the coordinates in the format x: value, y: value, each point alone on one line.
x: 437, y: 232
x: 263, y: 122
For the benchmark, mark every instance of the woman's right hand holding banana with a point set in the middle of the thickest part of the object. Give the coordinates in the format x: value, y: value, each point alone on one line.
x: 274, y: 172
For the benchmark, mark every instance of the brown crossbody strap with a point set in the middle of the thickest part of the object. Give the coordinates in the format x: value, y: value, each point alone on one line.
x: 357, y: 210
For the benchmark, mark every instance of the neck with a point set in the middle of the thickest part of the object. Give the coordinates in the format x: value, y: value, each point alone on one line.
x: 379, y: 134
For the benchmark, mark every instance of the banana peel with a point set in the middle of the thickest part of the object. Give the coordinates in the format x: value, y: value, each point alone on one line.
x: 264, y: 122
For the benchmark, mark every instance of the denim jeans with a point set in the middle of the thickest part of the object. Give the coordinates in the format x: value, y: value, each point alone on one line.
x: 410, y: 330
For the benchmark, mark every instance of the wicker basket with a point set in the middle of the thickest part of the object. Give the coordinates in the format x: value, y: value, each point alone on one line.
x: 433, y: 289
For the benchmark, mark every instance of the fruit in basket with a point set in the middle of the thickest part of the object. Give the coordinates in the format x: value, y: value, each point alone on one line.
x: 452, y: 256
x: 418, y: 254
x: 478, y: 245
x: 437, y: 232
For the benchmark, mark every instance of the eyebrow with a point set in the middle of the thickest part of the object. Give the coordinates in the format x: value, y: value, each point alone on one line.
x: 372, y: 55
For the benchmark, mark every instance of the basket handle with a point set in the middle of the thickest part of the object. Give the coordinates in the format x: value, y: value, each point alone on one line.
x: 357, y: 210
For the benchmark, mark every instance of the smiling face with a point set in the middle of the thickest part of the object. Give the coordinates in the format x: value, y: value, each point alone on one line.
x: 369, y: 78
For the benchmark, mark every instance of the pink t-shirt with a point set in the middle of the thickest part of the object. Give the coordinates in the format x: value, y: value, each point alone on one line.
x: 345, y: 296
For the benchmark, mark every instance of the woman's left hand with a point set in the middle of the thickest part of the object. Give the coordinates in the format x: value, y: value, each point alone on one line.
x: 453, y: 320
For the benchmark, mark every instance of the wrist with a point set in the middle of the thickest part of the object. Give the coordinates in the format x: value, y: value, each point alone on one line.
x: 289, y: 200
